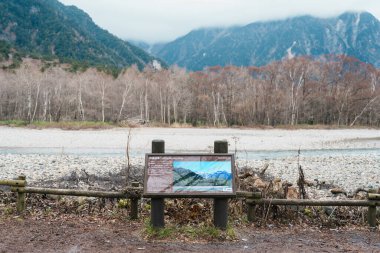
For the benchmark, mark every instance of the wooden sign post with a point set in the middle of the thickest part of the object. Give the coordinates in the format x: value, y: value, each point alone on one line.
x: 189, y: 176
x: 158, y: 203
x: 220, y: 204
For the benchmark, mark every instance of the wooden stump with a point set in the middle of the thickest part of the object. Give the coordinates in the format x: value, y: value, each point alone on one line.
x: 134, y: 214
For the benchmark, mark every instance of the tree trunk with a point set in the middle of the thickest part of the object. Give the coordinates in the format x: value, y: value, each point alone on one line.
x: 141, y: 106
x: 175, y: 110
x: 169, y: 116
x: 29, y: 102
x: 362, y: 111
x: 161, y: 108
x: 146, y: 102
x: 80, y: 103
x: 103, y: 95
x: 36, y: 103
x: 46, y: 104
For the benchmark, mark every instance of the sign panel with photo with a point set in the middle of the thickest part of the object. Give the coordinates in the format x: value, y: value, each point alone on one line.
x: 186, y: 174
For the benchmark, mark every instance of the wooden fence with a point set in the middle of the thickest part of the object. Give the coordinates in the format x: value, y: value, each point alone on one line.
x: 371, y: 202
x: 134, y: 193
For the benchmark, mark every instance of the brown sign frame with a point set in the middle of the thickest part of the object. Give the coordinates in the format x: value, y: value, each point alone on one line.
x: 189, y: 194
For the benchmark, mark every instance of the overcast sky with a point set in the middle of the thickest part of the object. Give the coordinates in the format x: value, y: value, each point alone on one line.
x: 166, y: 20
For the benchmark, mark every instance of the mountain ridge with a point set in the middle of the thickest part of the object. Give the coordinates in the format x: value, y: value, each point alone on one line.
x: 47, y: 27
x: 259, y: 43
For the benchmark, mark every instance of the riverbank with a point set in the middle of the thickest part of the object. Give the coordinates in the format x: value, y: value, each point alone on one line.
x: 96, y: 125
x: 191, y: 139
x: 347, y: 158
x: 347, y: 172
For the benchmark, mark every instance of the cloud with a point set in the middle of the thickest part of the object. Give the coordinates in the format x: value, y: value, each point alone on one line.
x: 165, y: 20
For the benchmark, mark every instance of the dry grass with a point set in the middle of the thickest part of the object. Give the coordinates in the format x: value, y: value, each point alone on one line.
x: 66, y: 125
x: 78, y: 125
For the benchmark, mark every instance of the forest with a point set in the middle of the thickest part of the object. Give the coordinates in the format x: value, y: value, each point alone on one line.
x: 330, y: 90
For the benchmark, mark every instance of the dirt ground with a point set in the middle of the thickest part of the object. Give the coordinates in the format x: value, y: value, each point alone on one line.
x: 92, y: 235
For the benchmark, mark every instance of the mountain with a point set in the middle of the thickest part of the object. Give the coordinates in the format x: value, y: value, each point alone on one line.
x: 352, y: 34
x: 49, y: 28
x: 9, y: 56
x: 186, y: 177
x: 220, y: 175
x: 140, y: 44
x: 216, y: 175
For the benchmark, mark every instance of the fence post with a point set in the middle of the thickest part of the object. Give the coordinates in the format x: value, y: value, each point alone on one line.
x: 372, y: 216
x: 21, y: 197
x: 157, y: 204
x: 134, y: 204
x: 251, y: 212
x: 220, y: 204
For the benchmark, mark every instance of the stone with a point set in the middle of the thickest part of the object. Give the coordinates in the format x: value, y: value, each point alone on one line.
x: 309, y: 183
x: 338, y: 191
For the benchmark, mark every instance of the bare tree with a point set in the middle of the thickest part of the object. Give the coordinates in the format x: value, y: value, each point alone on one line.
x: 126, y: 81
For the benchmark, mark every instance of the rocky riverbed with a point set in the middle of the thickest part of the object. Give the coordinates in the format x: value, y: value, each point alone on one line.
x: 349, y: 173
x: 349, y: 159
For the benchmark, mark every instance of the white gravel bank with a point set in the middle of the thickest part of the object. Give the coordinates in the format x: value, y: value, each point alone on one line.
x: 349, y: 171
x: 182, y: 139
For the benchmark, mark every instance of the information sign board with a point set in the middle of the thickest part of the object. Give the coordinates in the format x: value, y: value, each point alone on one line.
x: 189, y: 174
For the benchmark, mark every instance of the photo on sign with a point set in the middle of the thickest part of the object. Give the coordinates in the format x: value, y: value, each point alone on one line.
x: 189, y: 174
x: 210, y: 176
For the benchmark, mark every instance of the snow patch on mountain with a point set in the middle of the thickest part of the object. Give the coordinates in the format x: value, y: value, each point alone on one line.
x: 290, y: 55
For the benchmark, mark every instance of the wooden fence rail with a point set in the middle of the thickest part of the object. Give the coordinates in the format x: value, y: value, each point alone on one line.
x: 372, y: 202
x: 20, y: 183
x: 135, y: 193
x: 311, y: 202
x: 130, y: 192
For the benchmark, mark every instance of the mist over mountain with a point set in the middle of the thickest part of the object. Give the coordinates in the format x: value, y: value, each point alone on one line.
x: 48, y: 28
x: 51, y: 29
x: 259, y: 43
